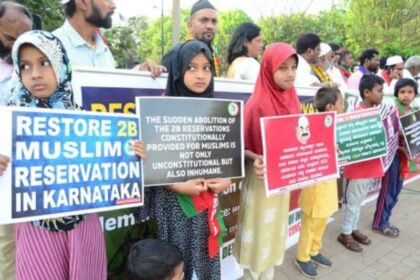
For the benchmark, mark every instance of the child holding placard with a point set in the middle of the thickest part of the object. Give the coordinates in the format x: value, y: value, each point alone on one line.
x: 405, y: 92
x: 362, y: 176
x: 317, y: 202
x: 71, y: 247
x: 187, y: 214
x: 262, y: 224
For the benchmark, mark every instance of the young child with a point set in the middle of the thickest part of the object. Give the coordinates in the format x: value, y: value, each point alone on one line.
x: 405, y: 92
x: 262, y: 223
x: 317, y: 202
x: 361, y: 176
x: 152, y: 259
x: 70, y: 247
x: 190, y: 74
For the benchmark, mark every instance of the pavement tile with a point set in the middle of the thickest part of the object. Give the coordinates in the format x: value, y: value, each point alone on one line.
x: 385, y: 259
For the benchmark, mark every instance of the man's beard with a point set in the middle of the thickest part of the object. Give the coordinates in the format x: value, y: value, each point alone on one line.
x: 327, y: 65
x: 96, y: 20
x: 207, y: 39
x: 373, y: 69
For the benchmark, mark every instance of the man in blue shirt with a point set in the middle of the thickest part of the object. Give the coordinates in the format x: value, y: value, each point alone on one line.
x: 82, y: 40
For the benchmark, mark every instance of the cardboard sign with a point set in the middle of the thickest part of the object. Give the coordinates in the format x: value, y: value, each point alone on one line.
x: 189, y: 138
x: 360, y: 136
x: 411, y: 129
x: 392, y: 129
x: 67, y: 162
x: 299, y: 150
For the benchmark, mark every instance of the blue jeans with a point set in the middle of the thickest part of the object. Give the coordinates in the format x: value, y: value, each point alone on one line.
x: 388, y: 196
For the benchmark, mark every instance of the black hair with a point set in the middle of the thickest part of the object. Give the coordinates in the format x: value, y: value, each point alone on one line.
x: 152, y: 259
x: 343, y: 55
x: 70, y: 8
x: 2, y: 9
x: 403, y: 83
x: 367, y: 54
x: 19, y: 7
x: 368, y: 82
x: 334, y: 47
x: 307, y: 41
x: 37, y: 22
x: 382, y: 62
x: 325, y: 96
x: 390, y: 68
x: 245, y: 32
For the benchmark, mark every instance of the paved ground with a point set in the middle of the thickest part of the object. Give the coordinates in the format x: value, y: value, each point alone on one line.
x: 386, y: 258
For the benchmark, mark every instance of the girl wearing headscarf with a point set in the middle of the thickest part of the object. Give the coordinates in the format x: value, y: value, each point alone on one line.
x: 183, y: 212
x: 65, y: 248
x: 263, y: 222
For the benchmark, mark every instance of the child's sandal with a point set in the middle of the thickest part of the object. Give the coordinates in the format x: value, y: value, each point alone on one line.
x: 387, y: 231
x: 395, y: 228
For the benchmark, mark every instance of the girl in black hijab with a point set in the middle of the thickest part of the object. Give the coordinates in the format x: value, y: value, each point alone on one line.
x: 187, y: 214
x: 178, y: 61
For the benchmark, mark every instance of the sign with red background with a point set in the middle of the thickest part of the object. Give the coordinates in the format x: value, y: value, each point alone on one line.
x: 299, y: 150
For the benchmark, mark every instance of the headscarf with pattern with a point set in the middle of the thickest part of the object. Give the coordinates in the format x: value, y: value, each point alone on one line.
x: 62, y: 98
x: 53, y: 49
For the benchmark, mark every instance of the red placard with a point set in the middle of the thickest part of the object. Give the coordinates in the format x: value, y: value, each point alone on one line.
x: 299, y: 150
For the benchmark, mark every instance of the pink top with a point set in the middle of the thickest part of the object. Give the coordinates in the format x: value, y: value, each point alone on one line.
x: 6, y: 70
x: 354, y: 80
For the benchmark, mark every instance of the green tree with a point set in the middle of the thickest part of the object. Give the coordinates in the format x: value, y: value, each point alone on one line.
x: 391, y: 26
x: 329, y: 25
x: 49, y: 10
x: 151, y: 44
x: 287, y: 28
x: 124, y: 41
x: 141, y: 38
x: 332, y: 26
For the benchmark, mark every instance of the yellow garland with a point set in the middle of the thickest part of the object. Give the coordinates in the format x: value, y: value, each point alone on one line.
x: 188, y: 37
x: 322, y: 76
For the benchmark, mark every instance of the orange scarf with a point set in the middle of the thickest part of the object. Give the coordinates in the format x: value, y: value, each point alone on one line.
x: 320, y: 74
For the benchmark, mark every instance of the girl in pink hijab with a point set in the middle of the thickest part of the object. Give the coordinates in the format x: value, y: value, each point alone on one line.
x: 262, y: 226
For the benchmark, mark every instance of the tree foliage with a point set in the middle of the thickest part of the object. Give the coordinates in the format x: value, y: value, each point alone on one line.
x: 391, y: 26
x: 50, y: 12
x: 124, y: 42
x: 285, y: 28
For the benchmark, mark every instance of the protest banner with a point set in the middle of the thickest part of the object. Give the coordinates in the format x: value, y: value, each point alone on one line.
x: 410, y: 124
x: 299, y: 150
x: 115, y: 91
x: 67, y: 163
x: 392, y: 128
x: 189, y: 138
x: 229, y: 205
x: 360, y: 136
